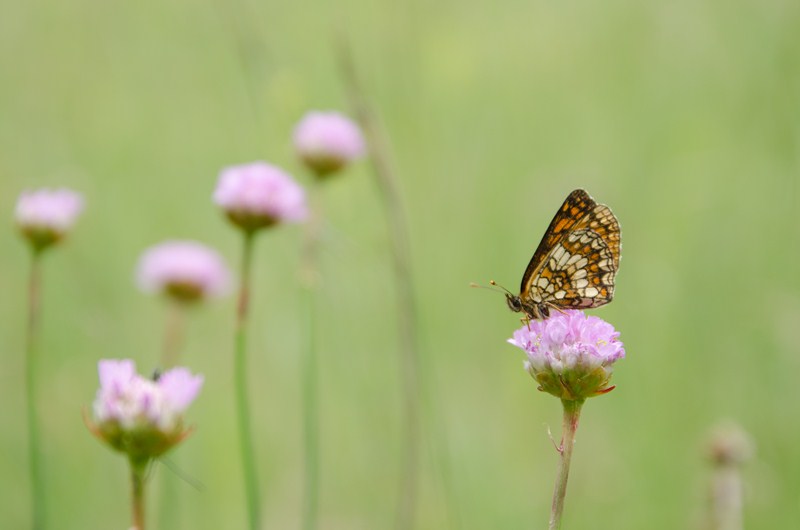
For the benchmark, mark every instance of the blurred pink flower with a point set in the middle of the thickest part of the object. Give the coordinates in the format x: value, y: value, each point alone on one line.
x: 187, y: 271
x: 570, y: 354
x: 327, y: 141
x: 139, y: 415
x: 259, y: 195
x: 45, y: 216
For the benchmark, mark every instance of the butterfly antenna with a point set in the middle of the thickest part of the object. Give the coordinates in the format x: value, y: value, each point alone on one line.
x: 495, y: 284
x: 491, y: 286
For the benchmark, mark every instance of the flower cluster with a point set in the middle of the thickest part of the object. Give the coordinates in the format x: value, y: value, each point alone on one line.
x: 186, y: 271
x: 327, y: 141
x: 139, y: 416
x: 570, y: 354
x: 259, y: 195
x: 45, y: 216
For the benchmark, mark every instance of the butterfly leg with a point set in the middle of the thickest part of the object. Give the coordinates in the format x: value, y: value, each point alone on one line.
x: 526, y: 320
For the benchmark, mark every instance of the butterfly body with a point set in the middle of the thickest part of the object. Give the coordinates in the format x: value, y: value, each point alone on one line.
x: 576, y: 262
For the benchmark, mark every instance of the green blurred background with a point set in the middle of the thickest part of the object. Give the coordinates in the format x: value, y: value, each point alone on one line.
x: 683, y: 116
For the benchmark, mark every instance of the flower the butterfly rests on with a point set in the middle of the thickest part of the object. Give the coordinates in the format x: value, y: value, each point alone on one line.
x: 575, y: 263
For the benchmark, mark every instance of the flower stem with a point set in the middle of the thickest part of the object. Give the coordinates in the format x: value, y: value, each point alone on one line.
x: 173, y: 335
x: 572, y: 412
x: 242, y: 403
x: 169, y: 495
x: 38, y: 500
x: 726, y: 499
x: 310, y: 274
x: 138, y: 477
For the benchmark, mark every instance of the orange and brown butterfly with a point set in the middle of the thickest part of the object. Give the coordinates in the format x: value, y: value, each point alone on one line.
x: 575, y: 263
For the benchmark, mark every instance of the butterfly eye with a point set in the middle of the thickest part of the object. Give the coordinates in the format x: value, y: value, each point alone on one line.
x: 514, y: 303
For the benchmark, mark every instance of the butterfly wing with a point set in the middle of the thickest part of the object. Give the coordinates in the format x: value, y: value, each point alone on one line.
x: 577, y: 259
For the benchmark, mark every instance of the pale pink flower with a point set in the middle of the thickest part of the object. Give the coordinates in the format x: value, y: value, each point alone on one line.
x: 138, y: 415
x: 132, y: 400
x: 259, y: 195
x: 187, y: 271
x: 570, y: 354
x: 327, y: 141
x: 45, y: 216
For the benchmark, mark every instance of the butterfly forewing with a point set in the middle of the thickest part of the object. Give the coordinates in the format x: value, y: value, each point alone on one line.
x: 576, y: 261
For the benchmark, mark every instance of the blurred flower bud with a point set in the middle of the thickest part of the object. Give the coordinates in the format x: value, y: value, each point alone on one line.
x: 570, y: 354
x: 327, y: 141
x: 730, y: 445
x: 45, y: 216
x: 186, y: 271
x: 259, y: 195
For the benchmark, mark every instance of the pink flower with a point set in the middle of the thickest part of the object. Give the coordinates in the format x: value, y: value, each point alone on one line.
x: 187, y: 271
x: 259, y: 195
x: 45, y: 216
x: 327, y: 141
x: 570, y: 354
x: 141, y: 416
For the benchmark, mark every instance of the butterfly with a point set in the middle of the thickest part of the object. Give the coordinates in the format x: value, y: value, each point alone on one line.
x: 575, y: 263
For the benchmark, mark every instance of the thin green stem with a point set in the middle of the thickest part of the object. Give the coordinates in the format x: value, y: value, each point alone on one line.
x: 169, y: 497
x: 138, y: 478
x: 169, y: 501
x: 242, y: 404
x: 572, y: 413
x: 38, y: 498
x: 173, y: 334
x: 310, y: 275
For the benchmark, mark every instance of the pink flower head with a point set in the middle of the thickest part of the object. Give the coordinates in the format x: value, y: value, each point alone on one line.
x: 45, y: 216
x: 141, y: 416
x: 259, y: 195
x: 570, y: 354
x: 327, y: 141
x: 187, y: 271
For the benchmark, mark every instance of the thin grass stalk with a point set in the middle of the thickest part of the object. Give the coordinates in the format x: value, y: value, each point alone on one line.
x: 388, y: 185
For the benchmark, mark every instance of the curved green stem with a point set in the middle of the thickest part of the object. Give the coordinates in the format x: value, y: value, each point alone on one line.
x: 242, y: 403
x: 412, y: 388
x: 38, y: 504
x: 572, y: 413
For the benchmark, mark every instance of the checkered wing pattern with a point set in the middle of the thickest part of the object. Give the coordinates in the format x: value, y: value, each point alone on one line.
x: 577, y: 259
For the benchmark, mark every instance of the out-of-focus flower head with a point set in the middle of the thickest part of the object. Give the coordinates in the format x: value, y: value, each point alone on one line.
x: 570, y: 354
x: 186, y: 271
x: 259, y: 195
x: 327, y: 141
x: 45, y: 216
x: 139, y: 416
x: 729, y: 445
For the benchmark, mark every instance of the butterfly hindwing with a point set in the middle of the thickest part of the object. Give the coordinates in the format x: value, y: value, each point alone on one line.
x: 577, y: 259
